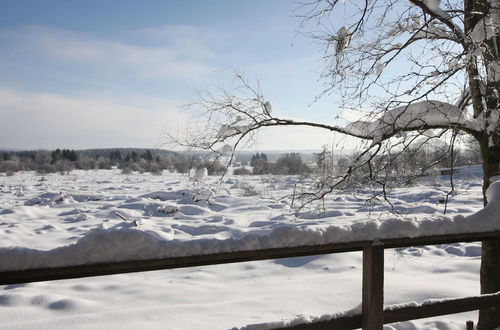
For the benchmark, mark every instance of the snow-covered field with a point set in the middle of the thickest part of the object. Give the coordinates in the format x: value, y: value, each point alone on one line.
x: 103, y: 210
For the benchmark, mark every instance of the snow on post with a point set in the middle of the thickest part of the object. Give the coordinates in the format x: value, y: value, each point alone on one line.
x: 488, y: 218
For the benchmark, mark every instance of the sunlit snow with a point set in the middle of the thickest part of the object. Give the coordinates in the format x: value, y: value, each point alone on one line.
x: 56, y: 220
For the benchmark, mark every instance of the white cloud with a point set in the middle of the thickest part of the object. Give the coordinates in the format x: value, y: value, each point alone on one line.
x: 293, y: 138
x: 41, y: 120
x: 202, y: 42
x: 170, y: 61
x: 350, y: 115
x: 31, y: 120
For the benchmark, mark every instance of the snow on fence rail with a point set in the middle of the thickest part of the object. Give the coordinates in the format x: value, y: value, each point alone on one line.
x: 372, y: 316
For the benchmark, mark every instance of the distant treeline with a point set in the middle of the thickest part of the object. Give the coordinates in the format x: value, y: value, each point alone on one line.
x: 66, y: 160
x: 286, y: 164
x: 140, y: 160
x: 409, y: 161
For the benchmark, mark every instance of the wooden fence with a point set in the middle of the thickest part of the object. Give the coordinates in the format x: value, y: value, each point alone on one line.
x: 372, y: 316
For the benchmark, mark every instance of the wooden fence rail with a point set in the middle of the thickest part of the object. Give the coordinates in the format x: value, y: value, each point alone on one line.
x: 373, y: 315
x: 402, y: 314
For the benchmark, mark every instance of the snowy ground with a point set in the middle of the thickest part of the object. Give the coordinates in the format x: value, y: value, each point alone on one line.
x: 46, y: 212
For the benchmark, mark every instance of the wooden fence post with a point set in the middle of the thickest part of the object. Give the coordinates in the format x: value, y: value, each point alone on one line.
x: 373, y: 287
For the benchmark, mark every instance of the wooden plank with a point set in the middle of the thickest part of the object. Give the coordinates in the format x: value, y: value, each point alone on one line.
x: 442, y: 308
x: 373, y: 287
x: 439, y: 239
x: 402, y: 314
x: 47, y: 274
x: 79, y: 271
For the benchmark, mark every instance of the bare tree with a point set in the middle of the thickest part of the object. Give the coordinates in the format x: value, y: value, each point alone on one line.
x: 397, y: 58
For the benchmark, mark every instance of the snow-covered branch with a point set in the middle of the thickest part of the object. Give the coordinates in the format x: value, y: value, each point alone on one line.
x: 432, y: 8
x: 232, y: 118
x: 415, y: 116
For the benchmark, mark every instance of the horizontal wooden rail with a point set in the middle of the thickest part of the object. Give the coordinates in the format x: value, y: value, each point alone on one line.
x: 449, y: 306
x: 109, y: 268
x: 401, y: 314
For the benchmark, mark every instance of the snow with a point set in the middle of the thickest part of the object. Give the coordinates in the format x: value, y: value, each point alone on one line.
x: 225, y: 150
x: 304, y: 319
x: 301, y: 319
x: 268, y: 109
x: 454, y: 65
x: 483, y: 30
x: 434, y: 30
x: 226, y: 131
x: 432, y: 4
x: 124, y: 242
x: 494, y: 71
x: 343, y: 39
x: 72, y: 219
x: 416, y: 23
x: 199, y: 174
x: 414, y: 115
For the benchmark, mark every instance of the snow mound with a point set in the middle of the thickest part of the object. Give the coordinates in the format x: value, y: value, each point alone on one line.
x: 50, y: 199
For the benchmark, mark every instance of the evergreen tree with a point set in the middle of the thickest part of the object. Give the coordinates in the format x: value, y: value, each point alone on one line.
x: 133, y: 156
x: 147, y: 156
x: 73, y: 156
x: 260, y: 164
x: 56, y: 156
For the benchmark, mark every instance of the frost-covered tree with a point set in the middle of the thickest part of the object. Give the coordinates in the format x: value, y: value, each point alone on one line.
x: 85, y: 162
x: 42, y: 157
x: 290, y: 164
x: 426, y: 69
x: 324, y: 161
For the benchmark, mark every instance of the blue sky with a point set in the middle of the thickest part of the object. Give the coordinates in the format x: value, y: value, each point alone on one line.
x: 85, y: 74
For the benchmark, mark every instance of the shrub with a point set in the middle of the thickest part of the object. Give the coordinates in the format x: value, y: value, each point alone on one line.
x: 260, y: 164
x: 103, y: 163
x: 9, y: 166
x: 155, y: 168
x: 126, y: 170
x: 136, y: 168
x: 290, y: 164
x: 242, y: 171
x: 213, y: 168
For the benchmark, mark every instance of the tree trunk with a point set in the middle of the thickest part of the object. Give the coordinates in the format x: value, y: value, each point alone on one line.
x: 490, y: 149
x: 490, y: 282
x: 490, y: 260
